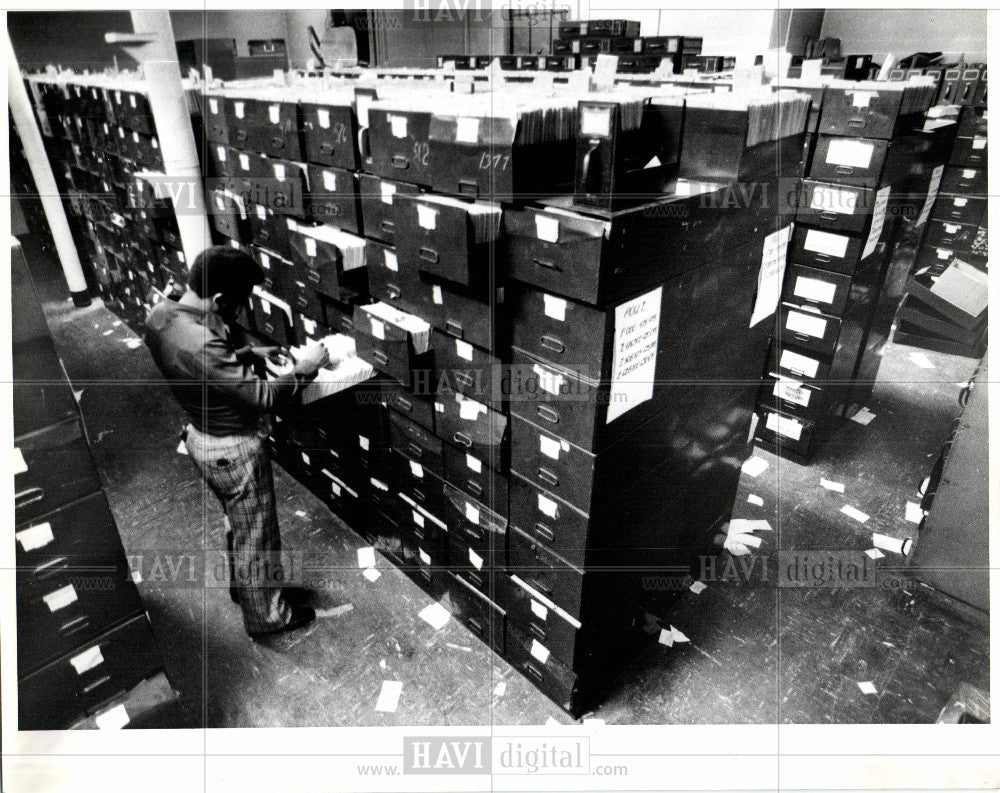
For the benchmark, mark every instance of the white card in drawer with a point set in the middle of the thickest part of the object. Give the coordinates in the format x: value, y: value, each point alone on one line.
x: 549, y: 447
x: 60, y: 598
x: 323, y: 116
x: 814, y: 289
x: 792, y: 391
x: 832, y: 199
x: 87, y: 660
x: 41, y: 535
x: 851, y: 153
x: 805, y: 324
x: 467, y: 130
x: 20, y: 466
x: 801, y: 364
x: 783, y: 425
x: 826, y: 243
x: 426, y: 217
x: 547, y: 228
x: 398, y: 125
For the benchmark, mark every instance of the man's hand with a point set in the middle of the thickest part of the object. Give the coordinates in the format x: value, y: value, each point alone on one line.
x: 311, y: 359
x: 265, y: 352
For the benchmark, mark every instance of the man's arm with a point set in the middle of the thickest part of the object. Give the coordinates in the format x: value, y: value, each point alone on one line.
x: 228, y: 375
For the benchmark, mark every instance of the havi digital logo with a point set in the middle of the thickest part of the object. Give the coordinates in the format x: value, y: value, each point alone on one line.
x: 447, y: 755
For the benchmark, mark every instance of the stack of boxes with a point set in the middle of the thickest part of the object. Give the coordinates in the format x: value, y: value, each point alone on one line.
x: 870, y: 168
x: 933, y: 315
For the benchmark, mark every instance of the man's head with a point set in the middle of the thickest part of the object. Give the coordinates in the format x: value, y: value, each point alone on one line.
x: 225, y: 276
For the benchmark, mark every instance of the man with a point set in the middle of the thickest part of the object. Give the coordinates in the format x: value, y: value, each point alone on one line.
x: 218, y: 381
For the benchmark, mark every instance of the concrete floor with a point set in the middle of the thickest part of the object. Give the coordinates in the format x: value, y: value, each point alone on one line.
x: 757, y: 653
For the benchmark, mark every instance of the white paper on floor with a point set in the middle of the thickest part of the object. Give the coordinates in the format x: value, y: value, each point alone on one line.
x: 116, y: 323
x: 388, y: 698
x: 698, y: 587
x: 299, y: 513
x: 372, y: 574
x: 78, y: 394
x: 666, y: 637
x: 133, y: 344
x: 921, y: 360
x: 867, y: 687
x: 501, y: 689
x: 335, y: 611
x: 182, y: 448
x: 113, y: 719
x: 366, y: 557
x: 435, y: 615
x: 887, y: 543
x: 757, y: 501
x: 383, y: 665
x: 108, y: 332
x: 678, y: 636
x: 550, y: 722
x: 829, y: 484
x: 914, y: 513
x: 854, y: 513
x: 755, y: 466
x: 864, y: 417
x: 735, y: 548
x: 874, y: 553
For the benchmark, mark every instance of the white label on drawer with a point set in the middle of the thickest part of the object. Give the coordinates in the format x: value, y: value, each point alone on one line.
x: 555, y: 307
x: 969, y: 173
x: 274, y: 113
x: 20, y: 466
x: 473, y: 464
x: 87, y: 660
x: 476, y: 559
x: 221, y: 151
x: 826, y: 243
x: 950, y: 228
x: 467, y: 130
x: 539, y: 651
x: 262, y: 214
x: 436, y: 295
x: 783, y: 425
x: 800, y: 364
x: 852, y: 153
x: 398, y: 124
x: 771, y: 275
x: 213, y: 106
x: 60, y: 598
x: 35, y: 537
x: 469, y: 409
x: 596, y: 121
x: 323, y: 116
x: 547, y: 506
x: 792, y: 391
x: 548, y: 381
x: 279, y: 171
x: 549, y: 447
x: 238, y: 109
x: 463, y: 349
x: 417, y: 469
x: 814, y: 289
x: 471, y: 513
x: 387, y: 191
x: 978, y: 143
x: 305, y: 459
x: 329, y: 181
x: 244, y: 162
x: 439, y: 407
x: 418, y: 519
x: 539, y: 610
x: 135, y: 137
x: 633, y: 363
x: 805, y: 324
x: 424, y: 557
x: 335, y: 488
x: 131, y: 100
x: 113, y: 719
x: 378, y: 329
x: 308, y: 325
x: 878, y: 221
x: 832, y: 199
x: 390, y: 261
x: 426, y: 217
x: 310, y: 246
x: 862, y: 98
x: 547, y: 228
x: 959, y: 202
x: 363, y: 442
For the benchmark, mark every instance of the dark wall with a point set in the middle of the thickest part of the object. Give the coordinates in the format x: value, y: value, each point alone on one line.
x: 74, y: 39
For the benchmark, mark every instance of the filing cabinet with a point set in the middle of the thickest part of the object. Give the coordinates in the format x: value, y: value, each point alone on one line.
x: 329, y: 259
x: 263, y: 124
x: 477, y: 612
x: 970, y: 153
x: 423, y: 487
x: 400, y: 144
x: 333, y: 198
x: 870, y: 110
x: 394, y: 342
x: 959, y: 209
x: 330, y: 134
x: 272, y: 317
x: 954, y: 236
x: 472, y: 475
x: 963, y: 181
x: 378, y: 198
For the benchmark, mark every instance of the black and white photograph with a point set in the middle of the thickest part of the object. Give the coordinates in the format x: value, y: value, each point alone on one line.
x: 517, y: 396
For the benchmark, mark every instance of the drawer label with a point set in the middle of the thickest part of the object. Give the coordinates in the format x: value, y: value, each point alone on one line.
x: 398, y: 125
x: 826, y: 243
x: 548, y: 381
x: 801, y: 364
x: 244, y: 162
x: 771, y: 274
x: 113, y: 719
x: 87, y: 660
x: 329, y: 181
x: 305, y: 459
x: 469, y: 409
x: 391, y: 262
x: 539, y: 651
x: 467, y: 130
x: 323, y: 116
x: 424, y: 556
x: 555, y: 307
x: 417, y: 469
x: 378, y: 329
x: 978, y: 143
x: 547, y: 228
x: 814, y: 289
x: 471, y: 513
x: 418, y: 519
x: 221, y: 151
x: 426, y: 217
x: 279, y: 172
x: 473, y: 464
x: 274, y: 113
x: 463, y: 349
x: 862, y: 98
x: 783, y: 425
x: 20, y: 466
x: 363, y: 442
x: 633, y: 363
x: 852, y: 153
x: 959, y: 202
x: 547, y: 506
x: 60, y: 598
x: 310, y: 246
x: 35, y: 537
x: 308, y: 325
x: 878, y: 221
x: 387, y: 190
x: 792, y: 391
x: 476, y: 559
x: 436, y: 295
x: 549, y: 447
x: 213, y: 106
x: 238, y: 109
x: 805, y: 324
x: 539, y: 610
x: 832, y: 199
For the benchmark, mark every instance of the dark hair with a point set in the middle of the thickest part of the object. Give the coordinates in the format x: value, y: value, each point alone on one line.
x: 223, y: 269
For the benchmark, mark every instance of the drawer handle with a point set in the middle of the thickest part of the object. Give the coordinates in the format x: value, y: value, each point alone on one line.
x: 476, y: 580
x: 30, y: 496
x: 856, y: 122
x: 388, y: 226
x: 278, y: 142
x: 464, y: 379
x: 404, y: 403
x: 473, y: 623
x: 96, y: 684
x: 463, y: 440
x: 468, y: 187
x: 545, y: 532
x: 831, y: 216
x: 552, y: 343
x: 364, y: 143
x: 314, y: 276
x: 547, y: 476
x: 394, y: 291
x: 473, y: 532
x: 821, y: 257
x: 302, y: 301
x: 844, y: 169
x: 415, y: 450
x: 73, y: 626
x: 326, y: 147
x: 380, y: 357
x: 531, y: 670
x: 241, y: 134
x: 546, y: 264
x: 429, y: 255
x: 400, y: 162
x: 536, y: 584
x: 538, y: 630
x: 547, y: 413
x: 454, y: 328
x: 419, y: 495
x: 474, y: 486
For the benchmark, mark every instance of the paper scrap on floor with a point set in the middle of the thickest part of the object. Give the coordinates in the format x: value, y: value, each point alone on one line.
x: 501, y: 689
x: 666, y: 637
x: 874, y: 553
x: 678, y: 636
x: 372, y: 574
x: 388, y: 698
x: 887, y: 543
x: 867, y: 687
x: 698, y: 587
x: 755, y: 466
x: 435, y: 615
x: 335, y: 611
x: 914, y: 513
x: 366, y: 557
x: 133, y: 344
x: 829, y: 484
x: 757, y: 501
x: 864, y: 417
x: 921, y: 360
x: 182, y: 448
x: 856, y: 514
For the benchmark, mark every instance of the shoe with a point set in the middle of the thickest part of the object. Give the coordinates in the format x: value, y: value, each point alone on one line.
x: 297, y: 595
x: 234, y: 593
x: 301, y: 615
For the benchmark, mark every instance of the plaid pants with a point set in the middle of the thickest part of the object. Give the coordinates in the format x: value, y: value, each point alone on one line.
x: 238, y: 470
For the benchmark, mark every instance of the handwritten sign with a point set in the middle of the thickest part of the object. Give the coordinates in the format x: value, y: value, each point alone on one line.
x: 633, y: 366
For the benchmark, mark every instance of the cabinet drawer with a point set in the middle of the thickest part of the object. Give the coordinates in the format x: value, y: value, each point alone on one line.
x: 272, y: 318
x: 305, y: 300
x: 279, y: 273
x: 825, y: 250
x: 332, y: 259
x: 379, y: 205
x: 525, y: 654
x: 463, y: 367
x: 969, y: 153
x: 483, y: 528
x: 330, y: 135
x: 399, y: 287
x: 478, y: 567
x: 798, y: 363
x: 480, y: 320
x: 214, y: 119
x: 860, y: 112
x: 400, y: 144
x: 788, y: 431
x: 229, y: 216
x: 836, y: 207
x: 808, y: 330
x: 422, y: 485
x: 853, y: 161
x: 74, y: 686
x: 793, y: 396
x: 428, y: 531
x: 963, y: 181
x: 286, y: 186
x: 545, y: 572
x: 477, y: 612
x: 416, y: 408
x: 552, y: 463
x: 416, y: 443
x: 959, y: 209
x: 270, y: 127
x: 542, y: 620
x: 271, y: 231
x: 333, y: 198
x: 822, y: 289
x: 473, y: 426
x: 472, y: 475
x: 562, y: 331
x: 549, y: 520
x: 52, y: 467
x: 954, y: 236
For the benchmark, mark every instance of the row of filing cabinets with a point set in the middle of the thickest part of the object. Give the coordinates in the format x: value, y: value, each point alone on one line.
x: 83, y: 639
